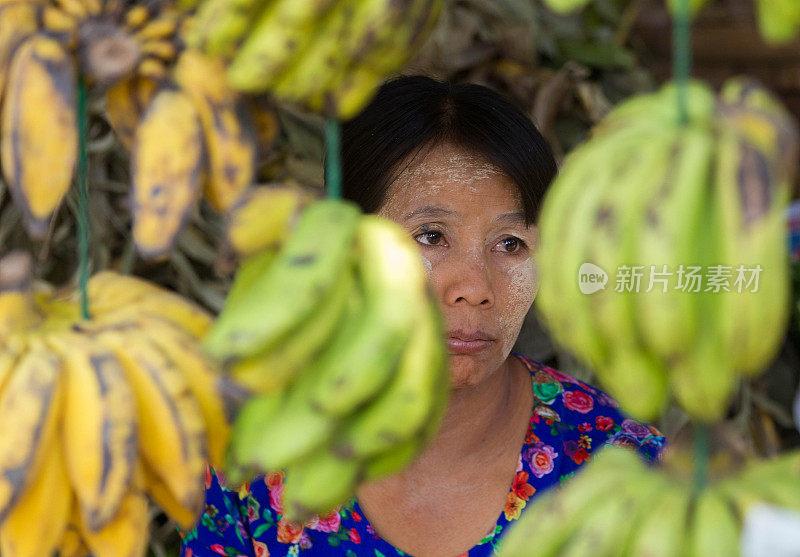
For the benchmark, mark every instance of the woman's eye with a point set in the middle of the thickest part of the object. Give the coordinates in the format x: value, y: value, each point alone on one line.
x: 512, y: 244
x: 431, y: 238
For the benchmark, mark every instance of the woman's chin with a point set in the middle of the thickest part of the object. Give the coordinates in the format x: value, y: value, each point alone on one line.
x: 466, y: 370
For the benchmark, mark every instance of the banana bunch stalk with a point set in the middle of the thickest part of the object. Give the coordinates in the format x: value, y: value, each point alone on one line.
x: 329, y: 55
x: 100, y: 414
x: 189, y: 133
x: 335, y: 332
x: 686, y: 220
x: 620, y: 507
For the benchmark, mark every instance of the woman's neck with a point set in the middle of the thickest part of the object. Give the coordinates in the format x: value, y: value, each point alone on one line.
x: 474, y: 422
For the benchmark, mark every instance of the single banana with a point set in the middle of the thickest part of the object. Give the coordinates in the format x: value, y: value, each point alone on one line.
x: 167, y: 168
x: 229, y: 133
x: 172, y: 433
x: 281, y: 429
x: 778, y: 20
x: 158, y: 491
x: 24, y: 533
x: 317, y: 484
x: 662, y: 533
x: 99, y: 426
x: 127, y: 534
x: 363, y: 355
x: 307, y: 266
x: 38, y: 133
x: 110, y: 291
x: 392, y: 461
x: 126, y: 102
x: 17, y: 310
x: 33, y: 396
x: 201, y: 375
x: 713, y: 528
x: 220, y: 26
x: 17, y: 22
x: 279, y: 34
x: 277, y: 367
x: 401, y: 410
x: 263, y: 217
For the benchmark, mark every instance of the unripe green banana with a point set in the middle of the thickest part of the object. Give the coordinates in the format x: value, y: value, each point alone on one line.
x: 220, y: 26
x: 662, y: 533
x: 276, y: 367
x: 307, y: 267
x: 713, y: 528
x: 778, y: 20
x: 363, y: 355
x: 401, y: 410
x: 317, y: 484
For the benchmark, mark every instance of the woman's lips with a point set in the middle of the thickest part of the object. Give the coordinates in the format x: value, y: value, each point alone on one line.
x: 460, y: 346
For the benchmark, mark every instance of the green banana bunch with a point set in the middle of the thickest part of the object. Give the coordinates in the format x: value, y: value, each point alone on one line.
x: 348, y: 374
x: 620, y: 507
x: 330, y: 55
x: 664, y: 205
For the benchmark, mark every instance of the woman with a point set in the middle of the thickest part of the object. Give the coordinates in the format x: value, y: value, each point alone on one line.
x: 464, y: 172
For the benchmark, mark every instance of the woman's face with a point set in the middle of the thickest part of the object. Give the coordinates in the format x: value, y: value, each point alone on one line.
x: 467, y: 218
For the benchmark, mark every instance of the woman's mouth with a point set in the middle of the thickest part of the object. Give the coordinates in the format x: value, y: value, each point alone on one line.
x: 460, y: 342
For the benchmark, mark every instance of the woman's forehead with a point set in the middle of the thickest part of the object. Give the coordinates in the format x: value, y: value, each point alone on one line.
x: 450, y: 173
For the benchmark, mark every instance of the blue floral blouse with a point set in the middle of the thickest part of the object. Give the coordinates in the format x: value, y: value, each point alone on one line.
x: 569, y: 421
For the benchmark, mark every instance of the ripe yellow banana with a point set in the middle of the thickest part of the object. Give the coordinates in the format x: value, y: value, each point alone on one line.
x: 167, y: 167
x: 229, y: 134
x: 17, y: 310
x: 17, y: 21
x: 33, y: 395
x: 263, y: 217
x: 184, y: 517
x: 126, y: 102
x: 363, y: 355
x: 38, y: 137
x: 201, y: 376
x: 24, y: 533
x: 109, y: 291
x: 171, y: 430
x: 99, y: 426
x: 127, y: 534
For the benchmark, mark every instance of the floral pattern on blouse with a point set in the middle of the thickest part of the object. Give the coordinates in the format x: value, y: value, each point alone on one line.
x: 569, y: 421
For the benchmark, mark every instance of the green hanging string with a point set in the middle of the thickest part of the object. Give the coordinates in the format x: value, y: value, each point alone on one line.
x: 83, y: 199
x: 333, y: 159
x: 682, y: 57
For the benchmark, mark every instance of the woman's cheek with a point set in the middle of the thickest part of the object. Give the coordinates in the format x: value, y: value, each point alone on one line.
x: 520, y: 291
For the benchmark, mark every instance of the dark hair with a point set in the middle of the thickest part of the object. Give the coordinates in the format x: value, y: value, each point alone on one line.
x: 410, y: 113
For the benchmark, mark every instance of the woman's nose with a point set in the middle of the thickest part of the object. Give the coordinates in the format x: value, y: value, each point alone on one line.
x: 465, y: 279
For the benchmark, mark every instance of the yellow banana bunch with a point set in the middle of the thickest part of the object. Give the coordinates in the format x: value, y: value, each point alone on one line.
x: 189, y: 132
x: 620, y: 507
x: 663, y: 264
x: 349, y: 374
x: 329, y: 55
x: 101, y: 413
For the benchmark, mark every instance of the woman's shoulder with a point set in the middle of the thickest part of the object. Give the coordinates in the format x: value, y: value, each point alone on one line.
x: 584, y: 417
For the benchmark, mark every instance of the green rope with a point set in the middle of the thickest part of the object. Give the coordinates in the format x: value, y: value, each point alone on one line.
x: 700, y: 456
x: 333, y: 159
x: 682, y: 57
x: 83, y: 200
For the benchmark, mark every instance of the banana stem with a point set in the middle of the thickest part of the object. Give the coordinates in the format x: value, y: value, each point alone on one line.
x: 681, y: 56
x: 700, y: 456
x: 333, y: 159
x: 83, y: 198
